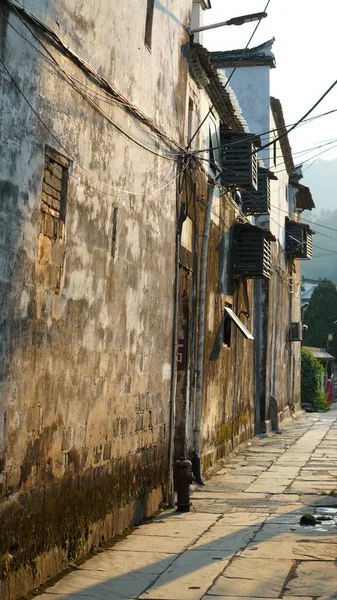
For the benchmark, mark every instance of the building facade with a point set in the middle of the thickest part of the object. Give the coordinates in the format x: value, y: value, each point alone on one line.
x: 138, y: 284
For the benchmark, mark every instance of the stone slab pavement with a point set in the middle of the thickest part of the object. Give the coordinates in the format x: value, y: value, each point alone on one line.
x: 243, y: 539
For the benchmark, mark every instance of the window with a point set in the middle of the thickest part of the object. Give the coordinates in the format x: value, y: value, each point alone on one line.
x: 149, y: 23
x: 233, y: 317
x: 114, y: 231
x: 214, y: 147
x: 53, y: 206
x: 190, y: 125
x: 227, y: 330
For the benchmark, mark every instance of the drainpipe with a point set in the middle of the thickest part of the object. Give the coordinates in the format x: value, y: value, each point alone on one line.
x: 235, y: 387
x: 181, y: 216
x: 193, y: 331
x: 203, y: 273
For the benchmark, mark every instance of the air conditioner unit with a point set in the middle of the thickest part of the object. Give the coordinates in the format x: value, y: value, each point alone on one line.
x: 298, y: 240
x: 252, y: 256
x: 239, y: 160
x: 296, y: 332
x: 258, y: 202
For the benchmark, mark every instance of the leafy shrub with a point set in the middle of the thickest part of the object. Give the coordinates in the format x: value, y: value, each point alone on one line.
x: 311, y: 376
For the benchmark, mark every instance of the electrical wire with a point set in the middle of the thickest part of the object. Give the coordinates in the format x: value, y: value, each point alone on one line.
x: 61, y: 145
x: 117, y: 97
x: 265, y: 133
x: 284, y: 228
x: 286, y: 133
x: 315, y: 223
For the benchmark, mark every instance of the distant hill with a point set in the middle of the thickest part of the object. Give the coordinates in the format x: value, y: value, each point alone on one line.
x: 321, y: 178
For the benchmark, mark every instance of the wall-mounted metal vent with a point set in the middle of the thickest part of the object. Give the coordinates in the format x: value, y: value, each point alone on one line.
x: 252, y: 257
x: 295, y: 334
x: 298, y: 240
x: 257, y: 202
x: 239, y: 162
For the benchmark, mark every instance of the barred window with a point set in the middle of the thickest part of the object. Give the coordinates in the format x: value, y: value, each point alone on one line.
x: 52, y: 220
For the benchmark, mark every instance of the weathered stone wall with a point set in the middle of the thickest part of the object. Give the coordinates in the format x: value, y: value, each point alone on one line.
x: 86, y: 282
x: 228, y: 408
x: 278, y: 351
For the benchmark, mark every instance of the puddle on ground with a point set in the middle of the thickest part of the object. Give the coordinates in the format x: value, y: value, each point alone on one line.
x: 327, y: 523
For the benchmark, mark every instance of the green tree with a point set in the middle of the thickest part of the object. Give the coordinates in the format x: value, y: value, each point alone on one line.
x: 311, y: 375
x: 320, y: 317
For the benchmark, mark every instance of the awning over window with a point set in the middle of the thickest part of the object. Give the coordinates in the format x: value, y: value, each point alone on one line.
x: 239, y: 323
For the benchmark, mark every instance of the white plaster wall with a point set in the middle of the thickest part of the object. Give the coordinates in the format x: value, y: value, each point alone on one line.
x: 280, y: 207
x: 110, y: 36
x: 93, y: 352
x: 251, y: 86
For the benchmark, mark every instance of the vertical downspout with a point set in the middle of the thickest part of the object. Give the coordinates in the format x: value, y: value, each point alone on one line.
x: 201, y: 329
x: 180, y: 217
x: 235, y: 370
x: 193, y: 330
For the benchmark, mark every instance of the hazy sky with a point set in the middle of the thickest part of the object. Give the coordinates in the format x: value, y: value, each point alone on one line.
x: 305, y: 50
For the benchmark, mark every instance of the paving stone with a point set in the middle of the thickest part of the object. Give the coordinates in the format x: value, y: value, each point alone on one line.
x: 230, y: 485
x: 189, y: 577
x: 212, y: 494
x: 156, y: 543
x: 209, y: 597
x: 314, y: 579
x: 244, y: 518
x: 170, y: 515
x: 266, y: 487
x: 250, y: 470
x: 289, y: 472
x: 318, y: 500
x: 123, y: 562
x: 294, y: 547
x: 225, y: 537
x: 269, y: 531
x: 99, y: 586
x: 286, y: 498
x: 271, y: 476
x: 174, y: 528
x: 210, y: 507
x: 237, y: 544
x: 252, y: 577
x: 311, y: 487
x: 315, y: 476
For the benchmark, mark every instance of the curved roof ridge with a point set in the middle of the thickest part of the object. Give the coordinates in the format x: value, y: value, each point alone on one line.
x: 258, y: 55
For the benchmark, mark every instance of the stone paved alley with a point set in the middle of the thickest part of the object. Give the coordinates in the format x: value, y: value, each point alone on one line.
x: 244, y: 539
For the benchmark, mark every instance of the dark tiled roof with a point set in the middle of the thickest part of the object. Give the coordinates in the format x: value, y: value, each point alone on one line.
x: 260, y: 55
x: 207, y: 77
x: 277, y: 111
x: 304, y: 199
x: 320, y: 353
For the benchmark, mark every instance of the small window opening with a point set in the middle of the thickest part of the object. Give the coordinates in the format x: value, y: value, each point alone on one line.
x: 227, y: 330
x: 53, y: 206
x: 274, y: 153
x: 190, y: 120
x: 214, y: 147
x: 149, y: 23
x: 114, y: 231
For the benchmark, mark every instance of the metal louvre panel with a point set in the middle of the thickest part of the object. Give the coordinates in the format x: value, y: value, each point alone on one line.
x: 257, y: 202
x: 254, y: 171
x: 252, y: 255
x: 298, y: 240
x: 239, y: 164
x: 309, y: 245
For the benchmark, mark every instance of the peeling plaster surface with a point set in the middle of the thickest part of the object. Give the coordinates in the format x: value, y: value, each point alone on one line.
x: 87, y: 301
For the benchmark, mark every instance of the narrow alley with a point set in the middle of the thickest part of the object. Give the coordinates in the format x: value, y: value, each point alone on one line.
x: 243, y: 537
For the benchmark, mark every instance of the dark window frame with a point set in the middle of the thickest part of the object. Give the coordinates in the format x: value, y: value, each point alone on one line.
x: 149, y: 24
